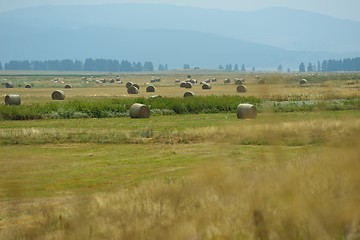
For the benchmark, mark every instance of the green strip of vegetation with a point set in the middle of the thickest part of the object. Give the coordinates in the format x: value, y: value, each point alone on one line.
x: 119, y: 107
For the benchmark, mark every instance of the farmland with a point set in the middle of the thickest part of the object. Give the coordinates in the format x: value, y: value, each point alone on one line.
x: 190, y: 171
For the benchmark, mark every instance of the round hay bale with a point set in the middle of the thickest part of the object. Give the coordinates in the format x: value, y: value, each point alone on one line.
x: 138, y: 110
x: 58, y: 95
x: 227, y: 80
x: 9, y: 85
x: 238, y: 81
x: 188, y: 85
x: 12, y: 99
x: 189, y: 94
x: 206, y: 86
x: 303, y: 81
x: 213, y: 80
x: 177, y: 80
x: 246, y: 110
x: 193, y: 81
x: 68, y: 86
x: 128, y: 84
x: 182, y: 84
x: 133, y: 90
x: 137, y: 86
x: 188, y: 76
x: 112, y: 81
x: 241, y: 88
x: 150, y: 88
x: 28, y: 86
x: 207, y: 80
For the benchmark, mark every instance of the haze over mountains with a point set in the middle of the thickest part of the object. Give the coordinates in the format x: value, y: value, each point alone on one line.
x: 176, y: 35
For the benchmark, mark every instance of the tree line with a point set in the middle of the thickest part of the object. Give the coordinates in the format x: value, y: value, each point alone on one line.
x: 332, y: 65
x: 99, y: 65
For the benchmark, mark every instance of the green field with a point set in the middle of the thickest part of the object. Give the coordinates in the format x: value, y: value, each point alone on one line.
x: 199, y: 173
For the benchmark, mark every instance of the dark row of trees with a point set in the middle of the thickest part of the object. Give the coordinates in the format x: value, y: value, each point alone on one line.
x: 100, y: 65
x: 332, y: 65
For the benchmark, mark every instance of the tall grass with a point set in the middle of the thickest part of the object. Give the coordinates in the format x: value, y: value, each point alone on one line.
x: 282, y: 190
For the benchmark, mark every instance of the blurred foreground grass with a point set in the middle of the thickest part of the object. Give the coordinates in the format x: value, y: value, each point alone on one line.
x: 280, y: 176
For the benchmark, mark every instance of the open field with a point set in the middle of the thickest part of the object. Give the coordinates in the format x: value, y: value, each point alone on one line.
x: 283, y: 175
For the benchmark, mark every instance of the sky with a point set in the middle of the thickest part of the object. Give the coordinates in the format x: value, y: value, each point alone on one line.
x: 346, y: 9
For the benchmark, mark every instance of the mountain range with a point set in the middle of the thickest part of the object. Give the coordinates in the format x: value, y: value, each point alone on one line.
x: 176, y: 35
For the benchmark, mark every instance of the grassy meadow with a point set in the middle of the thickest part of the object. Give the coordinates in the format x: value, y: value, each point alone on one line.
x: 82, y: 169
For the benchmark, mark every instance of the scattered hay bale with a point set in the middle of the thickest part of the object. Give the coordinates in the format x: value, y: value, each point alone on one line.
x: 150, y: 88
x: 9, y: 85
x: 227, y: 80
x: 132, y: 90
x: 189, y: 94
x: 188, y: 76
x: 303, y: 81
x: 188, y: 85
x: 68, y: 86
x: 182, y: 84
x: 241, y: 88
x: 112, y: 81
x: 28, y: 86
x: 58, y: 95
x: 128, y: 84
x: 238, y: 81
x: 137, y: 86
x: 245, y: 110
x: 193, y: 81
x: 177, y: 80
x: 213, y: 80
x: 206, y: 86
x: 12, y: 99
x: 138, y: 110
x: 207, y: 80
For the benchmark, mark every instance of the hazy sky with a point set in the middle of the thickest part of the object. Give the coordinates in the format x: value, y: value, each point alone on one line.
x: 348, y: 9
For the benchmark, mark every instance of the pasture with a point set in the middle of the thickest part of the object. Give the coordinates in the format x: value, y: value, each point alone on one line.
x: 291, y: 173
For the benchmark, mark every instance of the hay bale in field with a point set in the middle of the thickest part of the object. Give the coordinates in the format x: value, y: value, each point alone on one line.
x: 128, y: 84
x: 188, y: 85
x: 12, y: 99
x: 189, y: 94
x: 241, y: 88
x: 177, y: 80
x: 227, y: 80
x: 9, y: 85
x: 193, y: 81
x: 112, y: 81
x: 150, y: 88
x: 58, y: 95
x: 68, y: 86
x: 132, y: 90
x: 137, y: 86
x: 213, y: 80
x: 206, y: 86
x: 138, y: 110
x: 28, y: 86
x: 188, y: 76
x: 246, y: 110
x: 182, y: 84
x: 303, y: 81
x: 238, y: 81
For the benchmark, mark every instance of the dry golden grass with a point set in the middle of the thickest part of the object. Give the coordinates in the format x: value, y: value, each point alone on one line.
x: 277, y: 87
x: 277, y: 191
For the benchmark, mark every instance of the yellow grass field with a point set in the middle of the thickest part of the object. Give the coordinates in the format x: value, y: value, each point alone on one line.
x: 291, y: 175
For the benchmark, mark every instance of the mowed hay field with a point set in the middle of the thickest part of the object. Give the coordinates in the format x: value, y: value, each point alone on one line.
x: 284, y: 175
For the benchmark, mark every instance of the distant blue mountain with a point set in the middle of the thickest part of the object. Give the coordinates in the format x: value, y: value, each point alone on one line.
x: 176, y: 35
